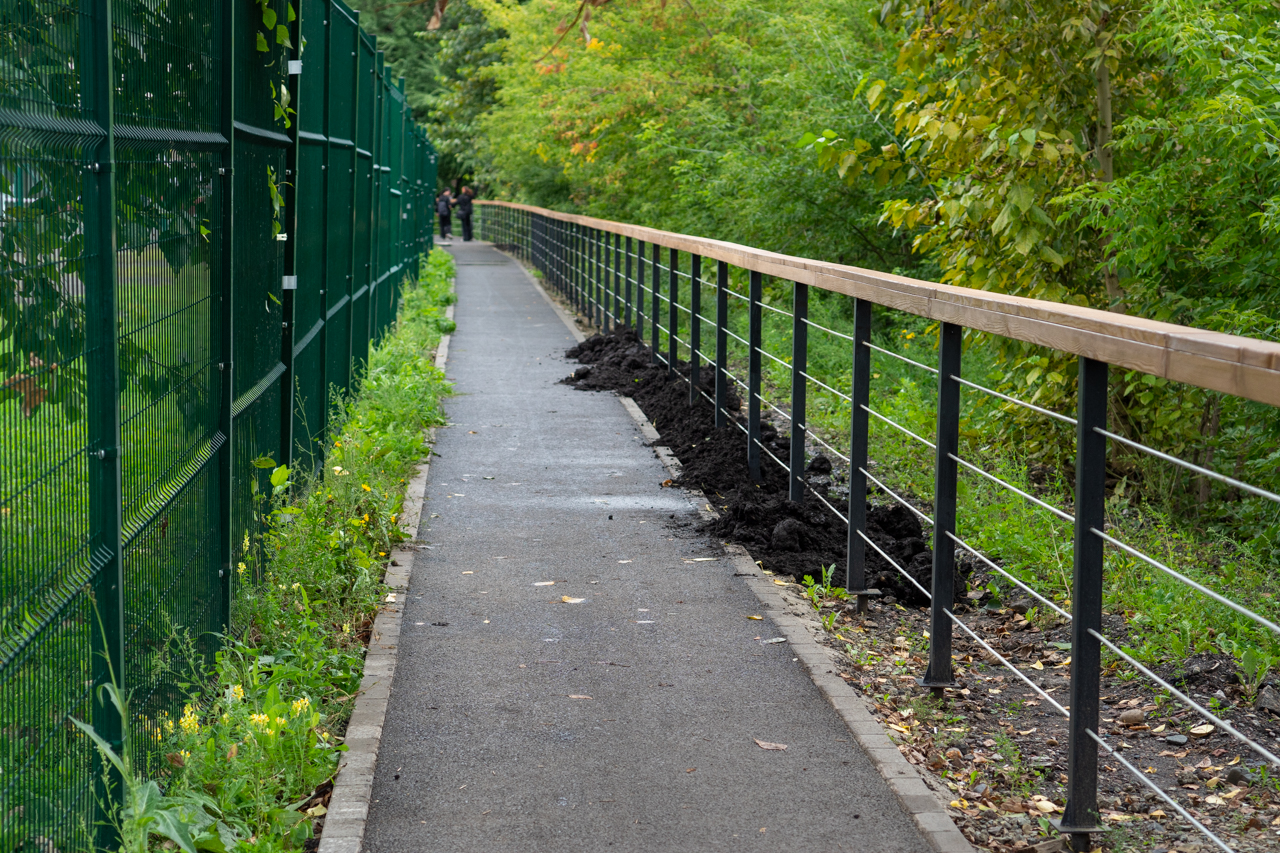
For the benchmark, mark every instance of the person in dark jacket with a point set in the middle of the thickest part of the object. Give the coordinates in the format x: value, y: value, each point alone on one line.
x: 444, y: 209
x: 463, y: 203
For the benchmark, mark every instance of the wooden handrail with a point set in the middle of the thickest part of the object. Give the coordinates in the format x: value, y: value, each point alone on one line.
x: 1231, y: 364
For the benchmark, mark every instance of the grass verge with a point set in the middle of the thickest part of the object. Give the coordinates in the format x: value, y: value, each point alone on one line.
x: 250, y: 758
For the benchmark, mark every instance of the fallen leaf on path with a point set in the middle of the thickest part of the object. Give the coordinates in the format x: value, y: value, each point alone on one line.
x: 1202, y: 731
x: 468, y: 573
x: 756, y: 618
x: 1037, y: 665
x: 317, y: 810
x: 775, y: 640
x: 624, y: 561
x: 567, y: 600
x: 702, y: 559
x: 764, y: 744
x: 780, y: 583
x: 666, y: 484
x: 690, y: 770
x: 578, y: 696
x: 543, y: 583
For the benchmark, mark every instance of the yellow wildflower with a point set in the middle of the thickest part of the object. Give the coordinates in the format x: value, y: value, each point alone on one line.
x: 346, y: 629
x: 259, y: 720
x: 190, y: 722
x: 297, y: 586
x: 237, y: 692
x: 365, y: 486
x: 281, y: 721
x: 300, y: 705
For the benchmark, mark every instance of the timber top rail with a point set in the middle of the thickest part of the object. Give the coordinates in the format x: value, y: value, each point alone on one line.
x: 1231, y: 364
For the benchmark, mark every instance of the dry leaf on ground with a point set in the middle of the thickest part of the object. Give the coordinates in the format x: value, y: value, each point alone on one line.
x: 764, y: 744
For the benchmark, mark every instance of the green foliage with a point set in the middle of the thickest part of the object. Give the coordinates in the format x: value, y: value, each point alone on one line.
x: 682, y: 118
x: 444, y: 69
x: 250, y: 749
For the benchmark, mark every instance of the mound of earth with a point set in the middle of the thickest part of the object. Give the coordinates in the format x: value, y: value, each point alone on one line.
x: 787, y: 537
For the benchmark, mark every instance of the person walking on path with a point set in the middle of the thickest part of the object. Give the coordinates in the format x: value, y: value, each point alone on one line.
x: 444, y: 209
x: 463, y: 203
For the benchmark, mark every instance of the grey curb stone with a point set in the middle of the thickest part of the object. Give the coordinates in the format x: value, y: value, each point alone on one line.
x: 915, y: 796
x: 348, y: 813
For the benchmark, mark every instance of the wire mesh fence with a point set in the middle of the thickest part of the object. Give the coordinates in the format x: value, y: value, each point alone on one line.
x: 660, y: 285
x: 206, y: 215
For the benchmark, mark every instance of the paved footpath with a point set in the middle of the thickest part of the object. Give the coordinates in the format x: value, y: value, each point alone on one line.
x: 623, y: 722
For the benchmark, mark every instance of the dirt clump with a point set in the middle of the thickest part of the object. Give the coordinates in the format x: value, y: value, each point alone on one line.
x: 797, y: 538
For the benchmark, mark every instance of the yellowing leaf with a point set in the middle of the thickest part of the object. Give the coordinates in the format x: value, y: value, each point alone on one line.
x: 1037, y: 665
x: 874, y: 91
x: 756, y: 618
x: 567, y: 600
x: 1202, y: 731
x: 578, y: 696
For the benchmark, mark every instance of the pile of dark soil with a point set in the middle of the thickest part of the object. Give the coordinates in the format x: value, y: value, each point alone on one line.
x: 788, y: 537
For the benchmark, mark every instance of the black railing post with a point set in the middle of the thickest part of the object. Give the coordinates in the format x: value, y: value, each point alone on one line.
x: 673, y: 310
x: 947, y: 438
x: 597, y: 246
x: 617, y: 280
x: 856, y: 565
x: 1080, y: 818
x: 655, y: 284
x: 722, y: 343
x: 695, y: 326
x: 627, y: 275
x: 578, y: 301
x: 593, y: 275
x: 799, y: 385
x: 753, y: 376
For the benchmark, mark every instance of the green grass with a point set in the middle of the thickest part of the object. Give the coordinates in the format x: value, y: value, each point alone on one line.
x: 251, y: 746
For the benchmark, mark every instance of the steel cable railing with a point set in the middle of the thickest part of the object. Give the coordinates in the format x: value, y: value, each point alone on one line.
x: 589, y: 277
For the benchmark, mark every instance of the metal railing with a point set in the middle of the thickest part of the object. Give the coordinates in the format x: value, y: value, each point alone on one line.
x: 590, y: 262
x: 201, y: 231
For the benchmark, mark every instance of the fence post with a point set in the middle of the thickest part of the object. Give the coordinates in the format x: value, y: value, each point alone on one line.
x: 103, y: 409
x: 627, y: 275
x: 673, y: 314
x: 753, y: 376
x: 593, y: 302
x: 1080, y: 818
x: 600, y: 289
x: 656, y: 283
x: 947, y: 438
x: 722, y: 344
x: 614, y: 242
x: 641, y: 314
x: 856, y: 565
x: 575, y: 267
x: 799, y: 385
x: 695, y: 326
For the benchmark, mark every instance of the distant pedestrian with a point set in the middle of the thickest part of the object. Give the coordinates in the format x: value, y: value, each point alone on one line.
x: 444, y: 209
x: 463, y: 203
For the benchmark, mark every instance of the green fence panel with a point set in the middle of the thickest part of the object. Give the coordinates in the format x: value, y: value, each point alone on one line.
x: 163, y: 324
x: 344, y: 92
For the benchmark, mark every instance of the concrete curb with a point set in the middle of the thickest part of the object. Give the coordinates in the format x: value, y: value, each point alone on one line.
x: 920, y: 801
x: 344, y: 824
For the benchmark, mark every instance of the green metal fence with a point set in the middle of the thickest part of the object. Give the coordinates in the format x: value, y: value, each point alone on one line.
x: 206, y: 214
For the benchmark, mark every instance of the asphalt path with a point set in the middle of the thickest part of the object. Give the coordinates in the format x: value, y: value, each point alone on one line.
x: 574, y: 674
